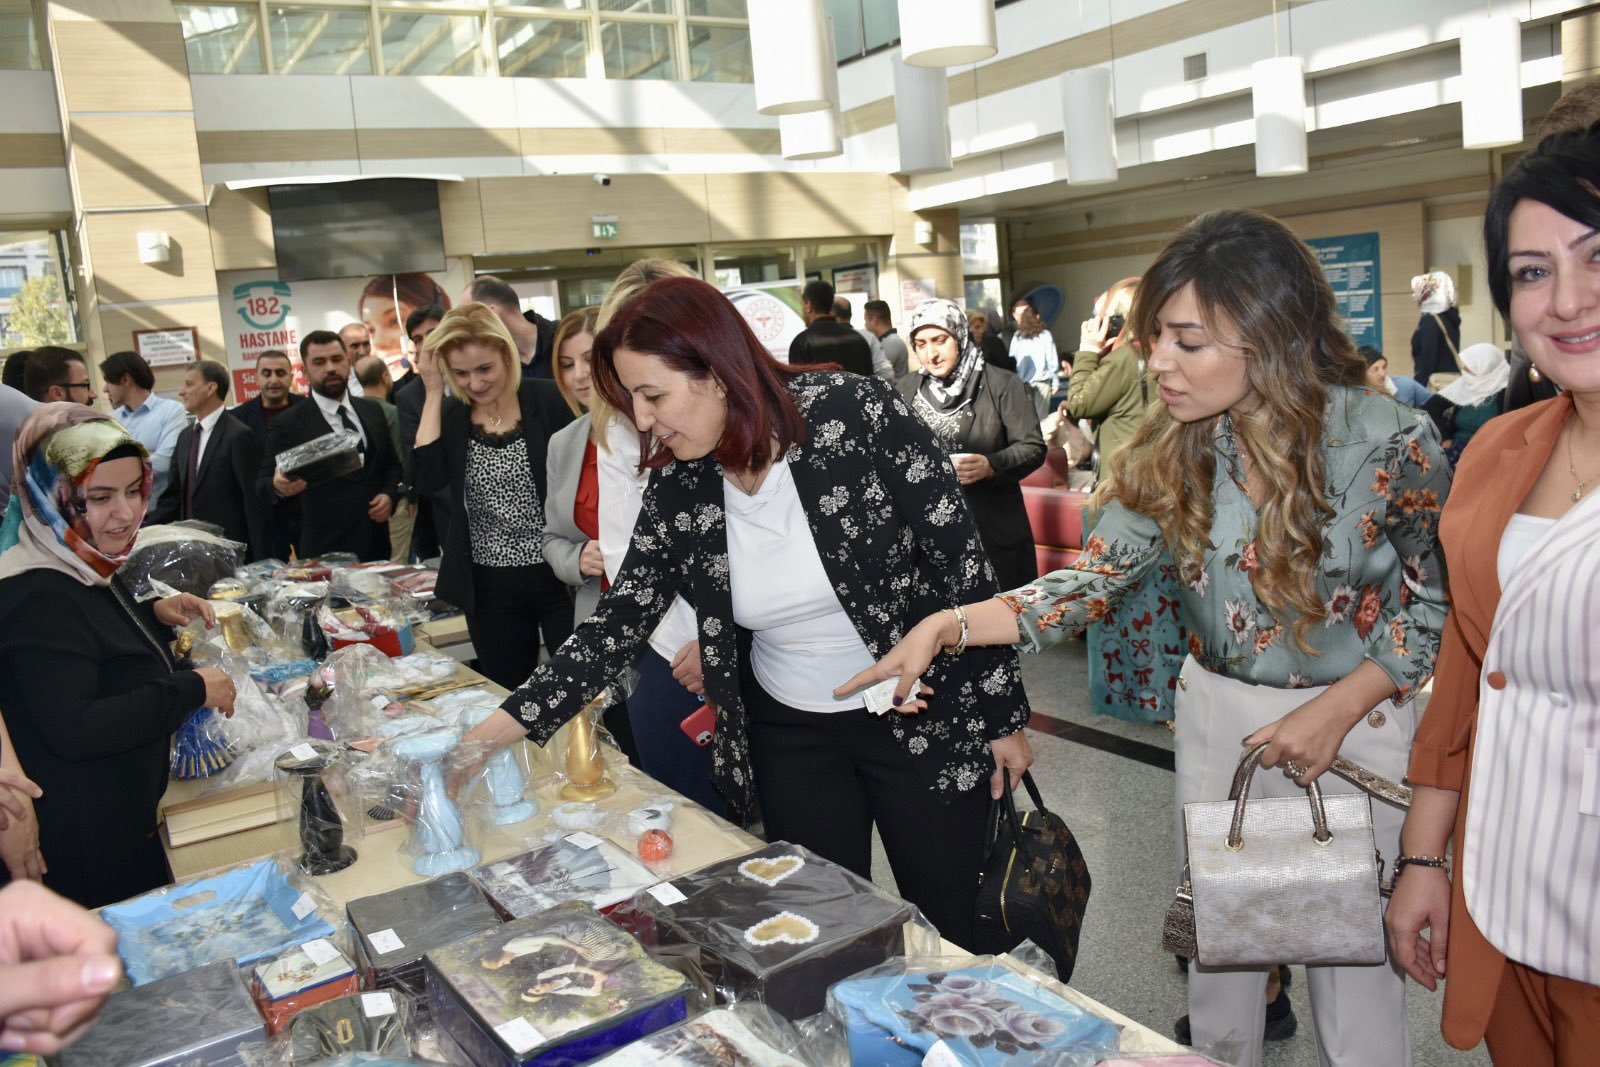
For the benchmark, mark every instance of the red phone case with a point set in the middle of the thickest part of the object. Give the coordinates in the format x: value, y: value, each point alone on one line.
x: 701, y: 725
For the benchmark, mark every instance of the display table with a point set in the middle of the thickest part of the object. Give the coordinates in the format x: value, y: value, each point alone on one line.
x: 700, y: 838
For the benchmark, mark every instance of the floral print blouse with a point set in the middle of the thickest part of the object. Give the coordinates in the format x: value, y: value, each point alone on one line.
x: 1382, y: 577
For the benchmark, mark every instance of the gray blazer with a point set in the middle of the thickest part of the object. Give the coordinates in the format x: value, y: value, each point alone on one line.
x: 563, y: 541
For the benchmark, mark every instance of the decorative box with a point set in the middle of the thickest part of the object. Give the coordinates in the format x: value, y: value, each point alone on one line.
x: 364, y: 625
x: 379, y: 1022
x: 322, y: 459
x: 722, y: 1037
x: 983, y: 1014
x: 201, y: 1016
x: 601, y: 877
x: 312, y: 974
x: 780, y: 925
x: 561, y: 987
x: 245, y: 914
x: 395, y: 929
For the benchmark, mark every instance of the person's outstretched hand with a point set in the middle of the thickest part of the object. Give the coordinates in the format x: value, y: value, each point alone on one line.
x: 57, y: 964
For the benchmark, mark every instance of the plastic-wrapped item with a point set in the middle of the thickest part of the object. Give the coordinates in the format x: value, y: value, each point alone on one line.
x: 300, y: 978
x: 579, y: 867
x: 779, y: 925
x: 560, y: 987
x: 247, y: 914
x: 322, y: 459
x: 200, y: 748
x: 292, y: 613
x: 367, y: 624
x: 444, y: 835
x: 1176, y: 1059
x: 394, y: 930
x: 305, y: 802
x: 185, y: 558
x: 283, y: 677
x: 745, y: 1035
x: 979, y: 1011
x: 379, y: 1022
x: 200, y: 1016
x: 249, y: 593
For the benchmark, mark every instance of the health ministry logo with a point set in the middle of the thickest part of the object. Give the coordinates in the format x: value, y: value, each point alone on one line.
x: 262, y: 305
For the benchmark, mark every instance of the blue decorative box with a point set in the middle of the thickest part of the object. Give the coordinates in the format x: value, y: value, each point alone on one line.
x: 559, y: 988
x: 246, y: 915
x: 983, y: 1015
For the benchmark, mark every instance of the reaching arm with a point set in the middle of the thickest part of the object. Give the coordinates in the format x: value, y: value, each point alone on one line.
x: 1025, y: 449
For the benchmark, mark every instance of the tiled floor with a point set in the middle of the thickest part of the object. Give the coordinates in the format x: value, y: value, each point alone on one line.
x: 1120, y: 809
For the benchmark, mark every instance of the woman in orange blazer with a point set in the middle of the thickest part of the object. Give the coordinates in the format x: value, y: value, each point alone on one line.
x: 1506, y: 764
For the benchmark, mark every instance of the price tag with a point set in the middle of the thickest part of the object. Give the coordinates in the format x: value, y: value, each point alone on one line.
x: 667, y: 893
x: 303, y: 752
x: 377, y: 1005
x: 304, y: 906
x: 387, y: 941
x: 941, y: 1056
x: 320, y: 951
x: 519, y: 1034
x: 582, y: 840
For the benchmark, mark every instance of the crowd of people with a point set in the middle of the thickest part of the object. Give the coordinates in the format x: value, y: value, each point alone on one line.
x: 1288, y: 545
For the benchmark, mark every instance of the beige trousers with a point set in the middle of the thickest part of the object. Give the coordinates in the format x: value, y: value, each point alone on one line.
x: 401, y: 524
x: 1359, y: 1012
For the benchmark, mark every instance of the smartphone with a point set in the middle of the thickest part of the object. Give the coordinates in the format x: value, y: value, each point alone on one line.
x: 701, y: 726
x: 1115, y: 325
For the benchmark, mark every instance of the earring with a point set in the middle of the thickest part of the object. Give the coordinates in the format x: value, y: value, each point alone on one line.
x: 1533, y: 374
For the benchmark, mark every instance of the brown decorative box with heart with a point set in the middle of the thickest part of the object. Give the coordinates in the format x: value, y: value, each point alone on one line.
x: 780, y: 925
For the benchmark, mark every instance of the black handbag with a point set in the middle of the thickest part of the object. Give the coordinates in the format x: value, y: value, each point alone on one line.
x: 1034, y: 883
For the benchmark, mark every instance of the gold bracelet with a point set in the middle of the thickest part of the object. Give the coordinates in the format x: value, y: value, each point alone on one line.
x: 960, y: 613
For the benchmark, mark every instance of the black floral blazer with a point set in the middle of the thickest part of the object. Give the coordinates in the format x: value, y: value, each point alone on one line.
x: 895, y: 537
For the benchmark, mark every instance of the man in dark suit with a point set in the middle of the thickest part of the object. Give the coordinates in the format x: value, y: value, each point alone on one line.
x: 214, y: 466
x: 433, y: 509
x: 349, y: 513
x: 825, y: 339
x: 275, y: 380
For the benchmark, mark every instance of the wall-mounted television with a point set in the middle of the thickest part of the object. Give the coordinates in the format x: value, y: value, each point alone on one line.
x: 354, y: 228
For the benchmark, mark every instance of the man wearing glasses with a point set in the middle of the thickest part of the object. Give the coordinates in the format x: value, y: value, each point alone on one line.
x: 56, y: 373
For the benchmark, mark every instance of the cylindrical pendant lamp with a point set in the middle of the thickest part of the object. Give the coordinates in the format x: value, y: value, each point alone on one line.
x: 1089, y: 125
x: 1279, y: 96
x: 1491, y: 82
x: 946, y: 33
x: 790, y: 56
x: 922, y: 118
x: 815, y: 134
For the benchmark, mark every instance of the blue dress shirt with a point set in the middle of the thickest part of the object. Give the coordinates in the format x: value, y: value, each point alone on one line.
x: 156, y: 423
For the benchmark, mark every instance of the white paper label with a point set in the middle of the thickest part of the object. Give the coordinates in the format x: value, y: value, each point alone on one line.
x: 519, y: 1034
x: 582, y: 840
x: 304, y: 906
x: 320, y: 951
x: 386, y: 941
x: 941, y: 1056
x: 303, y: 752
x: 668, y: 894
x: 377, y: 1005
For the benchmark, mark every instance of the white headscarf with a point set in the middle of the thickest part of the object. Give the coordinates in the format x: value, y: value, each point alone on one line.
x: 1484, y: 373
x: 1434, y: 292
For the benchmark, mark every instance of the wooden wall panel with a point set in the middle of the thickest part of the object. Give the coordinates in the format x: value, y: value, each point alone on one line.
x: 29, y: 150
x: 461, y: 216
x: 118, y: 323
x: 776, y: 206
x: 241, y: 229
x: 114, y: 252
x: 436, y: 143
x: 122, y: 66
x: 136, y: 161
x: 553, y: 212
x: 272, y: 146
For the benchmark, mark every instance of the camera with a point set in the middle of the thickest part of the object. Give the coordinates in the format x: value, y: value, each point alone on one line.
x: 602, y: 179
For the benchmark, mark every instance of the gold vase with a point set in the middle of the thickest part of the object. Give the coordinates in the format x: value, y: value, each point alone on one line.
x: 586, y: 772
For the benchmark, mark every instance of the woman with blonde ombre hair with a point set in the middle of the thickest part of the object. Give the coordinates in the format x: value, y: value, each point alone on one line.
x: 596, y: 491
x: 1310, y: 571
x: 489, y: 451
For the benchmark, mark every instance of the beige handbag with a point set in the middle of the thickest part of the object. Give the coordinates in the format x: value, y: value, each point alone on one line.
x: 1282, y: 880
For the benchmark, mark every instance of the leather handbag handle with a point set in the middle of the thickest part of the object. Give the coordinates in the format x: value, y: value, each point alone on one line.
x: 1357, y: 775
x: 1241, y: 795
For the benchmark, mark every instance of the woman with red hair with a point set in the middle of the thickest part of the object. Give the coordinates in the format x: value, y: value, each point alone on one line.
x: 813, y: 511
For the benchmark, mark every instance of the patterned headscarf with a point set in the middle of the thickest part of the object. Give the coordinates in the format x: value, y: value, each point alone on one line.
x: 56, y: 451
x: 961, y: 384
x: 1434, y: 292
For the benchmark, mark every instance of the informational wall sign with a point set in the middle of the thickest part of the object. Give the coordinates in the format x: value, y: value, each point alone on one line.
x: 773, y: 312
x: 1351, y: 266
x: 604, y: 227
x: 173, y: 346
x: 914, y: 291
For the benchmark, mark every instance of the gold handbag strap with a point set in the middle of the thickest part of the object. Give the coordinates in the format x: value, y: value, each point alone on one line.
x: 1446, y: 334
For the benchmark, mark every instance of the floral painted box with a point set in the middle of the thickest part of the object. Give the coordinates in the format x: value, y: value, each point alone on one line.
x: 779, y: 925
x: 560, y: 988
x: 197, y: 1017
x: 982, y: 1015
x: 602, y: 877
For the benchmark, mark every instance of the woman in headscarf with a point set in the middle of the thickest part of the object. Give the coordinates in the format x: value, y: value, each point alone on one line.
x: 984, y: 418
x: 1475, y: 396
x: 92, y: 692
x: 1437, y: 338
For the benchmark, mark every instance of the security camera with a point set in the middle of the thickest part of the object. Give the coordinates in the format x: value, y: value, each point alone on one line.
x: 602, y: 179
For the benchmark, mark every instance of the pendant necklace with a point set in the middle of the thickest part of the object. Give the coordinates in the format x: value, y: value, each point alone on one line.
x: 1572, y: 469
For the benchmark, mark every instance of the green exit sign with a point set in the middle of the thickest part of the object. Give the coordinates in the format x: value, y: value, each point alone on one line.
x: 605, y: 226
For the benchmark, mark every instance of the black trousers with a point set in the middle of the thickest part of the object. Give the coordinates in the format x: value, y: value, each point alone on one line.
x: 513, y: 607
x: 824, y: 778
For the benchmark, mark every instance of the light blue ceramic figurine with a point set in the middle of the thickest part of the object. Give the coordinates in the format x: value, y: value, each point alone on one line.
x: 440, y: 832
x: 504, y: 777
